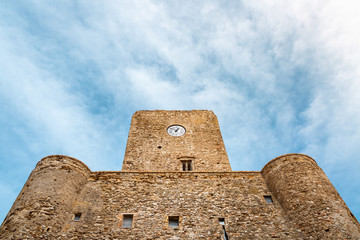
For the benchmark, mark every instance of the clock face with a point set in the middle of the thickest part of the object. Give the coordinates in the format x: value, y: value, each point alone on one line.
x: 176, y: 130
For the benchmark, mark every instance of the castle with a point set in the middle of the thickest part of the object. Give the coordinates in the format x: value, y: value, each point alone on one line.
x: 176, y: 183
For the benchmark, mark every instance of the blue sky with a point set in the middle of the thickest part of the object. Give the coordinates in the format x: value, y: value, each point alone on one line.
x: 281, y: 76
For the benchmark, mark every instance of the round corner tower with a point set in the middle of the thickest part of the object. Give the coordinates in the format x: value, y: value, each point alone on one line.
x: 46, y: 200
x: 308, y: 197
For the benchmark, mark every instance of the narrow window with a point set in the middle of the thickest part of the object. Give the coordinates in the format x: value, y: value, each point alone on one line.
x: 127, y: 221
x: 187, y: 165
x: 268, y: 199
x: 222, y: 223
x: 77, y: 216
x: 173, y: 221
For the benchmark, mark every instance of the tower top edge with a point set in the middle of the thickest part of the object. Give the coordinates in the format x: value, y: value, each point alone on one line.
x: 66, y: 157
x: 287, y: 155
x: 175, y: 110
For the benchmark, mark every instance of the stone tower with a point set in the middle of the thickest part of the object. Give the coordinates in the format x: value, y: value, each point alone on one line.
x: 177, y: 183
x: 153, y: 147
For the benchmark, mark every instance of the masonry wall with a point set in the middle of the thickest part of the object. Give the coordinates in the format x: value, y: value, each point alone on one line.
x: 60, y: 187
x: 199, y: 199
x: 306, y: 206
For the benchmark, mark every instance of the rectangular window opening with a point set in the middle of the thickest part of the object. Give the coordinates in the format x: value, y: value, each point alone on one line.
x: 173, y: 221
x: 268, y: 199
x: 222, y: 223
x: 77, y: 216
x: 127, y: 221
x: 187, y: 165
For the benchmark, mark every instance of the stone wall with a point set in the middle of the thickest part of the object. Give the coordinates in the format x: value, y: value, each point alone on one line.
x: 64, y: 200
x: 61, y: 187
x: 199, y: 199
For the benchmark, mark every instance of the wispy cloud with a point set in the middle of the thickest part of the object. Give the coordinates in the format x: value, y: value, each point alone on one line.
x: 282, y: 77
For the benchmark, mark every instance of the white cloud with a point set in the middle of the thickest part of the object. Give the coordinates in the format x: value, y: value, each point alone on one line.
x: 48, y: 106
x: 150, y: 90
x: 281, y: 76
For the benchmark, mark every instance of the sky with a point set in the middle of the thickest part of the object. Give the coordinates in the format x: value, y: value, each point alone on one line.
x: 281, y: 76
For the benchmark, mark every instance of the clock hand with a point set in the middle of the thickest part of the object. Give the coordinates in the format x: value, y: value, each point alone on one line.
x: 176, y: 129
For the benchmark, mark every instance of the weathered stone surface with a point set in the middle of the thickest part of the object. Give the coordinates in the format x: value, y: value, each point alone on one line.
x: 309, y: 198
x: 46, y: 199
x: 151, y: 148
x: 200, y: 199
x: 63, y: 199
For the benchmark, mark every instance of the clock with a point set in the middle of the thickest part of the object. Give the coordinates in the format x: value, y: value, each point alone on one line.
x: 176, y: 130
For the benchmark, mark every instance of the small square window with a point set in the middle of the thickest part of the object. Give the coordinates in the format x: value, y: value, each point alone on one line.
x: 77, y: 216
x: 222, y: 221
x: 187, y: 165
x: 127, y: 221
x: 173, y: 221
x: 268, y: 199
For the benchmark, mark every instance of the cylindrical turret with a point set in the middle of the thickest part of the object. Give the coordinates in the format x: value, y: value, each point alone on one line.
x: 45, y: 202
x: 309, y: 199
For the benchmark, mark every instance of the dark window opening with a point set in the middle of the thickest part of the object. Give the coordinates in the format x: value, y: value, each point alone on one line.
x: 77, y: 216
x: 187, y: 165
x: 159, y: 147
x: 173, y: 221
x: 127, y: 221
x: 268, y: 199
